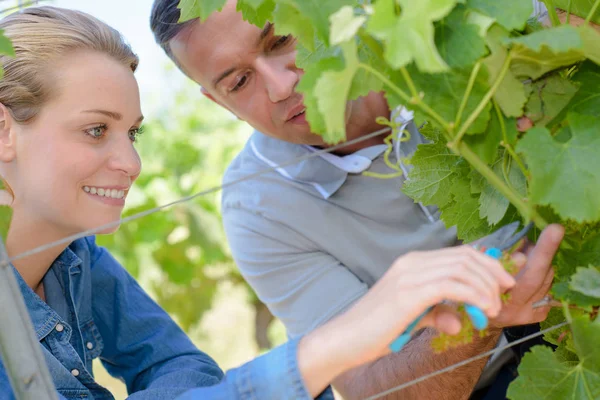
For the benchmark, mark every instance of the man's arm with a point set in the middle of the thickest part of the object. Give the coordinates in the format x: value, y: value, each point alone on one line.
x: 413, y: 361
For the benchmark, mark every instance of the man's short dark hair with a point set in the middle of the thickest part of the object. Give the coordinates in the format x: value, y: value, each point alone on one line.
x: 164, y: 22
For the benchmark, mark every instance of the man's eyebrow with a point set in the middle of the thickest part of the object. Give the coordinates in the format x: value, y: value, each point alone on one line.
x: 265, y: 32
x: 112, y: 114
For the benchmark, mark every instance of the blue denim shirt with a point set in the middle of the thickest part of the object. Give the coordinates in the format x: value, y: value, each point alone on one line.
x: 94, y: 308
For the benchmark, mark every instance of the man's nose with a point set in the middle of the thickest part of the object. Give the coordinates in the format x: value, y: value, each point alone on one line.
x: 280, y: 80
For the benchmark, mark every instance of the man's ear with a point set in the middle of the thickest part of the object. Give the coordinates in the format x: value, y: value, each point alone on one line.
x: 211, y: 97
x: 7, y: 135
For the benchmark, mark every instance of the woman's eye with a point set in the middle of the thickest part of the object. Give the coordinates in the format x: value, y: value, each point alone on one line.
x: 96, y: 132
x: 135, y: 133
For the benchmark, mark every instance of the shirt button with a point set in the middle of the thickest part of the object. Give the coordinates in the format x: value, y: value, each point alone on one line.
x: 60, y: 327
x: 75, y: 372
x: 89, y: 345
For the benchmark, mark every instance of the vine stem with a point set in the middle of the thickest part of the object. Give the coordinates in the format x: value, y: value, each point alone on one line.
x: 592, y: 12
x: 415, y: 100
x: 505, y: 142
x: 465, y: 98
x: 486, y: 99
x: 552, y: 12
x: 481, y: 167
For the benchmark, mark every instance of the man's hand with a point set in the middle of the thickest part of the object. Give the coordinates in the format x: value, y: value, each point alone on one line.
x: 533, y: 282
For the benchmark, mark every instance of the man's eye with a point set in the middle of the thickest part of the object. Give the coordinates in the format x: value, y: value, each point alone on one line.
x: 240, y: 83
x: 96, y: 132
x: 280, y: 42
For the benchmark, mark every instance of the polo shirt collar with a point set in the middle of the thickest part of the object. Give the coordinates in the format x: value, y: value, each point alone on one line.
x: 327, y: 172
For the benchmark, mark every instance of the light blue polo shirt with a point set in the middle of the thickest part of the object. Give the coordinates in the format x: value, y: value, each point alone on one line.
x: 313, y: 237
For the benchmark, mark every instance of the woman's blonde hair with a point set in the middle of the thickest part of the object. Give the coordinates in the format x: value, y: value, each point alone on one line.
x: 41, y: 36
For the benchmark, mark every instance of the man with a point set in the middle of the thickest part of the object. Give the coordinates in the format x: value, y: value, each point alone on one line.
x: 311, y: 238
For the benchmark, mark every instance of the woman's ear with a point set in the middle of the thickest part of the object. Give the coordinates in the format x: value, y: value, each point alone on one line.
x: 7, y: 135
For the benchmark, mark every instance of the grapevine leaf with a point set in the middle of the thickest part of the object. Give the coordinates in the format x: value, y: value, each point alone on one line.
x: 344, y: 25
x: 6, y: 46
x: 587, y: 100
x: 486, y: 145
x: 318, y: 13
x: 510, y: 95
x: 256, y: 14
x: 446, y: 91
x: 580, y: 8
x: 511, y: 14
x: 493, y: 203
x: 5, y: 217
x: 543, y: 376
x: 463, y: 212
x: 411, y: 35
x: 573, y: 164
x: 306, y: 86
x: 458, y: 40
x: 549, y: 96
x: 191, y: 9
x: 309, y: 54
x: 591, y: 45
x: 288, y: 20
x: 586, y: 251
x: 332, y: 90
x: 587, y: 281
x: 561, y: 291
x: 546, y: 50
x: 435, y: 168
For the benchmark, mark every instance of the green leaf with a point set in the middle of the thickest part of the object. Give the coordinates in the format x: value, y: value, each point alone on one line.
x: 288, y: 20
x: 5, y: 217
x: 307, y: 85
x: 587, y: 281
x: 580, y: 8
x: 510, y: 95
x: 562, y: 292
x: 543, y: 376
x: 511, y: 14
x: 463, y: 213
x: 574, y: 164
x: 191, y: 9
x: 546, y: 50
x: 587, y: 101
x: 332, y: 91
x: 486, y: 144
x: 435, y: 169
x: 549, y: 96
x: 411, y: 35
x: 344, y: 25
x: 493, y: 203
x: 458, y: 40
x: 256, y: 14
x: 318, y: 12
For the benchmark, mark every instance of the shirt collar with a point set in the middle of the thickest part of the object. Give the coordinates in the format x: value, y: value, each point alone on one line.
x: 327, y: 172
x: 43, y: 317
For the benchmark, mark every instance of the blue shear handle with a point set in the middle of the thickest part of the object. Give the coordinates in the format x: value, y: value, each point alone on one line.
x: 476, y: 315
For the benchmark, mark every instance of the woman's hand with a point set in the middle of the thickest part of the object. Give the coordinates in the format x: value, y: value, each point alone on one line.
x: 415, y: 282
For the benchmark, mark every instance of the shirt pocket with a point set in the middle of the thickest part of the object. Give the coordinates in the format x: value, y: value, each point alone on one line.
x: 92, y: 341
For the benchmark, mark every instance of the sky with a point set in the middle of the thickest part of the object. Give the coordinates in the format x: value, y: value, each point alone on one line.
x: 131, y: 18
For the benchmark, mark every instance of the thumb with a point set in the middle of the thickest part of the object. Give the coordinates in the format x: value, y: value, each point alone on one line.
x: 443, y: 318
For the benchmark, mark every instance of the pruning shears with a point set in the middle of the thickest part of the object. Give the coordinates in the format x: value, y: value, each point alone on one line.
x: 494, y: 246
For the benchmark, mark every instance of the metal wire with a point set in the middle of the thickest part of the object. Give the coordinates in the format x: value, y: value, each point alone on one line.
x: 465, y: 362
x: 142, y: 214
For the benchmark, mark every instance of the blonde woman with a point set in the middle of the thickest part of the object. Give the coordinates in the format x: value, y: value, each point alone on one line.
x: 69, y: 119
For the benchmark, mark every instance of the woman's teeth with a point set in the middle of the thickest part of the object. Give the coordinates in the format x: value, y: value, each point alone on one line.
x: 113, y: 193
